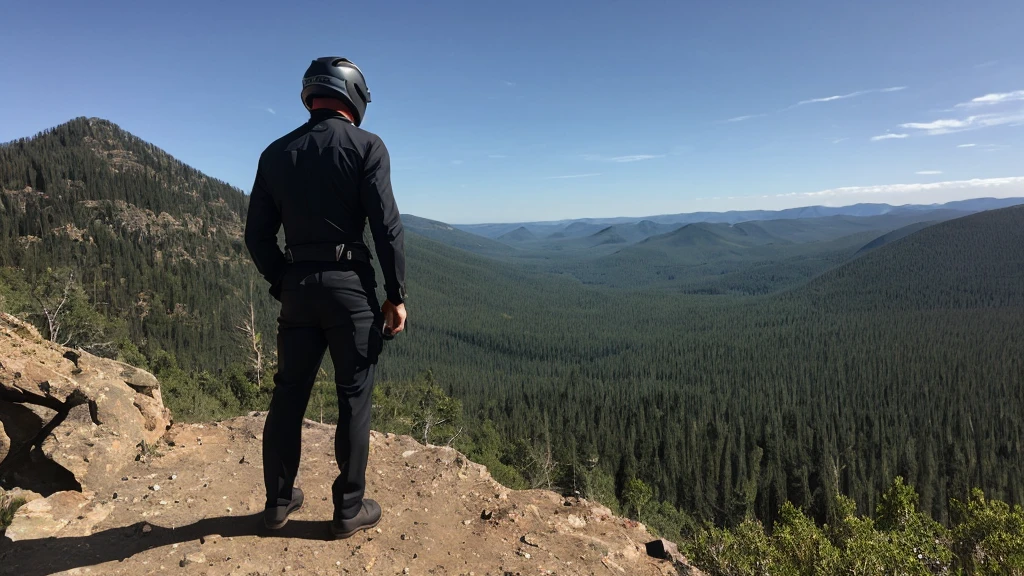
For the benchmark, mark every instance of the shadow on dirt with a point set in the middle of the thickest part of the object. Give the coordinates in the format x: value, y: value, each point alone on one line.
x: 49, y: 555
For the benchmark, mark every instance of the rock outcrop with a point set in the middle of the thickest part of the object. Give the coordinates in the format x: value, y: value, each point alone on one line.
x: 196, y: 509
x: 112, y: 488
x: 69, y: 421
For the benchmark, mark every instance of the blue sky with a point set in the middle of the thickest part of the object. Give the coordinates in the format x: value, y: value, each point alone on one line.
x: 547, y: 110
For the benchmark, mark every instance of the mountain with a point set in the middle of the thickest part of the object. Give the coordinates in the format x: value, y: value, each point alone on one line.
x: 446, y: 234
x: 155, y: 244
x: 972, y: 262
x: 737, y: 216
x: 520, y: 234
x: 894, y: 236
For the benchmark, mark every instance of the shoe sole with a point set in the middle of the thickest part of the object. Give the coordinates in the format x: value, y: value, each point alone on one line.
x: 351, y: 533
x: 281, y: 524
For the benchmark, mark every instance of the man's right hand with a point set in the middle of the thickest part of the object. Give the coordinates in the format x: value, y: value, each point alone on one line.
x: 394, y: 318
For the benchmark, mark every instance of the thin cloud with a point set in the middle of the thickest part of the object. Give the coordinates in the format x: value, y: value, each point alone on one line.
x: 819, y: 101
x: 838, y: 140
x: 457, y: 162
x: 966, y: 145
x: 497, y: 156
x: 928, y: 172
x: 987, y: 64
x: 635, y: 158
x: 742, y: 118
x: 889, y: 136
x: 567, y: 176
x: 509, y: 83
x: 994, y: 98
x: 850, y: 95
x: 951, y: 125
x: 909, y: 188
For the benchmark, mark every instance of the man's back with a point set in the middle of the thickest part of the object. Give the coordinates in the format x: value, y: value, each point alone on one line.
x: 323, y: 181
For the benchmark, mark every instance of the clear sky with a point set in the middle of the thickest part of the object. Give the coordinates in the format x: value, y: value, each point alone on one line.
x: 512, y: 111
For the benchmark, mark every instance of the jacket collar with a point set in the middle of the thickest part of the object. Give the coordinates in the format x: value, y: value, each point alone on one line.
x: 321, y: 114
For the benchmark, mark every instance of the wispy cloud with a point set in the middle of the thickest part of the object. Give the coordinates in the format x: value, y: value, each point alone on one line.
x: 994, y: 98
x: 457, y: 162
x: 497, y: 156
x: 889, y: 136
x: 819, y: 101
x: 567, y: 176
x: 850, y: 95
x: 987, y: 64
x: 951, y: 125
x: 838, y: 140
x: 621, y: 159
x: 1003, y: 115
x: 966, y: 145
x: 928, y: 172
x: 1016, y: 181
x: 745, y: 117
x: 509, y: 83
x: 635, y: 157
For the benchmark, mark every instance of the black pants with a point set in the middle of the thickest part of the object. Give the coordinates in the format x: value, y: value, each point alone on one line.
x: 321, y: 309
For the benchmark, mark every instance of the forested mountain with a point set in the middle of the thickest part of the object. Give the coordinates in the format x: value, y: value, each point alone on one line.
x: 905, y: 361
x: 155, y: 245
x: 452, y: 236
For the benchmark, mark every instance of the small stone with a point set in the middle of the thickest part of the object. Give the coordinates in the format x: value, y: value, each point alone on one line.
x: 124, y: 478
x: 163, y: 502
x: 114, y: 497
x: 467, y: 522
x: 173, y: 477
x: 287, y: 569
x: 404, y: 536
x: 406, y: 570
x: 155, y: 487
x: 146, y: 529
x: 526, y: 555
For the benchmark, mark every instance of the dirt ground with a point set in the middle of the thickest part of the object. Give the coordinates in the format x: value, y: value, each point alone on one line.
x: 194, y: 507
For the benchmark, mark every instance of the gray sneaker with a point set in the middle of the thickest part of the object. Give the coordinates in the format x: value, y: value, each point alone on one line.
x: 276, y: 517
x: 368, y: 517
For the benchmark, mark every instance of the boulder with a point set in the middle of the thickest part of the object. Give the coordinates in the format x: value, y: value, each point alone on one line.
x: 68, y: 513
x: 84, y: 413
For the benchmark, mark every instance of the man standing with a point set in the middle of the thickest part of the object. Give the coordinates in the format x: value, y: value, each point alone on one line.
x: 322, y: 182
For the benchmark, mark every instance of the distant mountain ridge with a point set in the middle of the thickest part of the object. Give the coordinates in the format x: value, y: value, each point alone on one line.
x: 548, y: 228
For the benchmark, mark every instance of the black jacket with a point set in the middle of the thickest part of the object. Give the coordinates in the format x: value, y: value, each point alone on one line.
x: 323, y: 181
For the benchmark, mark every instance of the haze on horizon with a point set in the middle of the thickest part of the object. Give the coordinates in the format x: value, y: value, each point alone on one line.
x: 534, y: 112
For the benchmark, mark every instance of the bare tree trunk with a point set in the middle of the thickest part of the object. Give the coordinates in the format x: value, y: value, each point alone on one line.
x: 54, y: 314
x: 253, y: 342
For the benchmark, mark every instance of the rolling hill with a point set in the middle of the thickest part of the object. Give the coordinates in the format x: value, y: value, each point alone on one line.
x: 972, y: 262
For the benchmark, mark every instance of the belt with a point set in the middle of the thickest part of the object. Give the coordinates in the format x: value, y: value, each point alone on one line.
x: 325, y: 252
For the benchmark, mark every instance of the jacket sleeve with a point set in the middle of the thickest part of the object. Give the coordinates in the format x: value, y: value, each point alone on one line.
x: 261, y: 225
x: 378, y: 201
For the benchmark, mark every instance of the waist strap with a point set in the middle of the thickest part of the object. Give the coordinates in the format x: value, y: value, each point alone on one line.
x: 327, y: 253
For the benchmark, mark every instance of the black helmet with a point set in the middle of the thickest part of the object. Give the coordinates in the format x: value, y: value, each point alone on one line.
x: 336, y: 77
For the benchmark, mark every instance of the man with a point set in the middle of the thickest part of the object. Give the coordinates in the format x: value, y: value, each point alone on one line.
x: 322, y: 182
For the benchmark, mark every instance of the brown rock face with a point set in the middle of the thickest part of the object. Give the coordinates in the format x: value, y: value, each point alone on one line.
x: 5, y: 443
x: 70, y: 420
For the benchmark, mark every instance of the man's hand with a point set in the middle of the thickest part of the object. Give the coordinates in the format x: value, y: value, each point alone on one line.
x: 394, y: 318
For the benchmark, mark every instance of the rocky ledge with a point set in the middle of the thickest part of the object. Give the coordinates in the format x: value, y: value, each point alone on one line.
x: 113, y: 489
